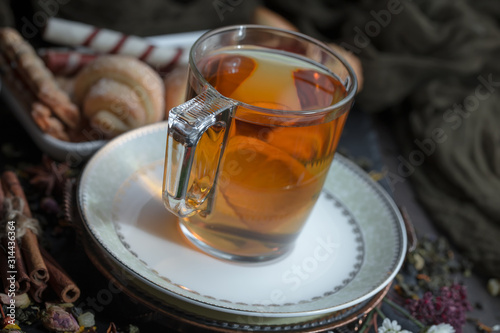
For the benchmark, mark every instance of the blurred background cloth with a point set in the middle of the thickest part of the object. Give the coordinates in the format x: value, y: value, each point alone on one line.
x: 140, y: 18
x: 430, y: 66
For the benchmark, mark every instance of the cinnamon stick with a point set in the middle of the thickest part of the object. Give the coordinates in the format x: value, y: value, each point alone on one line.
x: 37, y: 270
x: 4, y: 275
x: 44, y: 271
x: 36, y: 290
x: 22, y: 280
x: 20, y: 283
x: 2, y: 198
x: 59, y: 281
x: 35, y: 264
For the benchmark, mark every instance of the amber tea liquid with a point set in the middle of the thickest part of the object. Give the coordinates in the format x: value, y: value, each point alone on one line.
x: 273, y: 167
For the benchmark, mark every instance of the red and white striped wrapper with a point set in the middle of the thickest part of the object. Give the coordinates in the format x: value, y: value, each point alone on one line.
x: 105, y: 41
x: 65, y: 62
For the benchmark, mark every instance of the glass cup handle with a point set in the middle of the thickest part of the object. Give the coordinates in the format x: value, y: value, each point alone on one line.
x: 186, y: 125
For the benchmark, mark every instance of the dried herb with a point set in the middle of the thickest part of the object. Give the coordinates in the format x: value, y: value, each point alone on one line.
x: 29, y: 315
x: 428, y: 284
x: 49, y: 176
x: 430, y: 267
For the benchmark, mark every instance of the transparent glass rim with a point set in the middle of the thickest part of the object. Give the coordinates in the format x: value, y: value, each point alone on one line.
x: 340, y: 104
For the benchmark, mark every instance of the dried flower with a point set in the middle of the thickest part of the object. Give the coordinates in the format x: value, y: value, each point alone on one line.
x: 449, y: 306
x: 441, y: 328
x: 389, y: 326
x: 49, y: 205
x: 57, y: 319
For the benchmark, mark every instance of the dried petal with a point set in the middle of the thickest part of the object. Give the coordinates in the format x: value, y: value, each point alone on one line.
x: 441, y: 328
x: 4, y: 298
x: 419, y: 262
x: 133, y: 329
x: 12, y: 328
x: 86, y: 319
x: 49, y: 205
x: 57, y: 319
x: 22, y: 301
x: 494, y: 287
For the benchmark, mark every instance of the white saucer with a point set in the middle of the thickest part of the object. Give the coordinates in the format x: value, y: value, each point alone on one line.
x: 351, y: 248
x: 172, y: 312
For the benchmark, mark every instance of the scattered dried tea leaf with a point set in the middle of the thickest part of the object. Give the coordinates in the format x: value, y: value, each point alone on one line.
x: 431, y: 266
x: 494, y: 287
x: 419, y: 262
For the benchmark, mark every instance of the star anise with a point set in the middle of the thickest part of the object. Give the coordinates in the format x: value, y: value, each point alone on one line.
x: 49, y: 175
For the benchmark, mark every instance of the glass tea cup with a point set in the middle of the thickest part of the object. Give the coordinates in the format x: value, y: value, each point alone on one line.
x: 248, y: 153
